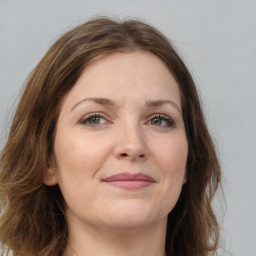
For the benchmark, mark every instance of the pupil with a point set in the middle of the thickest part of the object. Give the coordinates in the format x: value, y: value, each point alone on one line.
x: 94, y: 120
x: 157, y: 121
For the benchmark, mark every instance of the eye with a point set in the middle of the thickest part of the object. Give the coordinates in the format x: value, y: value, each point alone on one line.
x: 93, y: 119
x: 161, y: 121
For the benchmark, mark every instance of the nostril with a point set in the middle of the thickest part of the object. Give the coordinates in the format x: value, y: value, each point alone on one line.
x: 132, y: 156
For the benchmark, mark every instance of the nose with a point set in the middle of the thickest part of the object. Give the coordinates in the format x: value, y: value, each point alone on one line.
x: 131, y: 144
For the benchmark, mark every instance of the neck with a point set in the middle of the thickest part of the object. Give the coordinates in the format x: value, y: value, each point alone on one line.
x: 87, y: 240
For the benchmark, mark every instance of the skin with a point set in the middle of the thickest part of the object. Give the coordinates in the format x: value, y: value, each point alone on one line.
x: 140, y: 131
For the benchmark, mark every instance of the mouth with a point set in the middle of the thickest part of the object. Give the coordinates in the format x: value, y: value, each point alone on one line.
x: 130, y: 181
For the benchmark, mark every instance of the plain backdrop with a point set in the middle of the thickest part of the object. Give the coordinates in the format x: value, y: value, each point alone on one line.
x: 217, y: 40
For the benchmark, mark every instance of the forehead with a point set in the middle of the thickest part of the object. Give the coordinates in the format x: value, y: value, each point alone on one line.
x: 122, y: 76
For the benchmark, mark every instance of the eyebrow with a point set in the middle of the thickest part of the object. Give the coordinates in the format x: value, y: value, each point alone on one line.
x: 108, y: 102
x: 100, y: 101
x: 157, y: 103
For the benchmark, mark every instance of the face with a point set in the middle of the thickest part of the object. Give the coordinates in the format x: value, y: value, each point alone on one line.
x: 120, y: 147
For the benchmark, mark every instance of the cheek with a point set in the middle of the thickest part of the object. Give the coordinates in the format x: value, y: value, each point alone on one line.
x: 75, y: 168
x: 78, y: 156
x: 171, y: 160
x: 172, y: 155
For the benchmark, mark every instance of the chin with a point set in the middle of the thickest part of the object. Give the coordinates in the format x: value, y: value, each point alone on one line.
x: 132, y: 216
x: 128, y: 224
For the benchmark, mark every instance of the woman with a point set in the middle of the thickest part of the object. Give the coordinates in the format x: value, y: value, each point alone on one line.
x: 108, y: 152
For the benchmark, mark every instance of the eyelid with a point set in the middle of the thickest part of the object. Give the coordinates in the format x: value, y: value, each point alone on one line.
x: 83, y: 121
x: 163, y: 117
x: 93, y: 114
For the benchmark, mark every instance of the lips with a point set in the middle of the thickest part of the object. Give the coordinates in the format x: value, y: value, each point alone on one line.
x: 130, y: 181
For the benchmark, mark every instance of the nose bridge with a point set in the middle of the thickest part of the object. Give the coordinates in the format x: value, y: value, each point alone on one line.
x: 131, y: 140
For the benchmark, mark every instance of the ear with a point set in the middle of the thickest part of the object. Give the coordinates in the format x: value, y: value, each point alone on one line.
x: 185, y: 177
x: 50, y: 178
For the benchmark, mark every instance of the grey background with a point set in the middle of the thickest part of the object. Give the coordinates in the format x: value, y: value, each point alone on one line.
x: 217, y: 40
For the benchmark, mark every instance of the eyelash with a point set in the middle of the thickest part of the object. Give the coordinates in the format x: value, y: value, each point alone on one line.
x: 86, y: 119
x: 170, y: 122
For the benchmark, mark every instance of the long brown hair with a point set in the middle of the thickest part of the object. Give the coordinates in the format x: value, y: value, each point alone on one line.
x: 32, y: 220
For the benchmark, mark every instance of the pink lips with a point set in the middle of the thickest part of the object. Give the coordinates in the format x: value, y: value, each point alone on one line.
x: 130, y: 181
